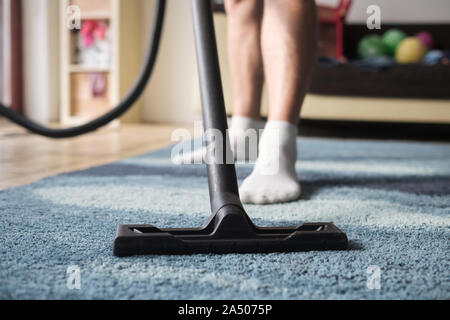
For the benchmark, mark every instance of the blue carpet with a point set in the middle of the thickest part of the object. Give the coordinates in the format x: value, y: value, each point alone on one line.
x: 391, y: 198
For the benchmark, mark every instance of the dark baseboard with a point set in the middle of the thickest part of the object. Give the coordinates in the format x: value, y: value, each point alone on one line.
x: 375, y: 130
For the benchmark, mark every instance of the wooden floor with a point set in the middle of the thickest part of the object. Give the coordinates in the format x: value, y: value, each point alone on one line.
x: 25, y: 158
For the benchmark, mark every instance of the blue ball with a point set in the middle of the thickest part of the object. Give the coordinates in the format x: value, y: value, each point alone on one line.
x: 433, y: 57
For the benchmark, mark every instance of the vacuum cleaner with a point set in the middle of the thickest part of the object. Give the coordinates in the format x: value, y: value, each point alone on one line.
x: 229, y: 229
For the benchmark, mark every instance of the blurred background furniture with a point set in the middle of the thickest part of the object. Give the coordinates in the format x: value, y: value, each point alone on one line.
x: 11, y: 53
x: 332, y: 19
x: 341, y: 92
x: 89, y: 63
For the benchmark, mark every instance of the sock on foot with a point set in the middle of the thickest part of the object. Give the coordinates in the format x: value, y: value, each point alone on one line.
x: 274, y: 178
x: 238, y: 136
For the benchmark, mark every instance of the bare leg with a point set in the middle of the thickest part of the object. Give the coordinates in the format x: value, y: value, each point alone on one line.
x: 244, y: 18
x: 289, y: 42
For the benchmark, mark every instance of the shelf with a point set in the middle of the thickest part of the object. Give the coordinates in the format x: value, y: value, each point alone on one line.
x: 74, y: 68
x: 94, y: 9
x: 99, y: 15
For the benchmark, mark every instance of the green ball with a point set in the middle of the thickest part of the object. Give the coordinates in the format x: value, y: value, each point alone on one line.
x: 392, y: 39
x: 371, y: 46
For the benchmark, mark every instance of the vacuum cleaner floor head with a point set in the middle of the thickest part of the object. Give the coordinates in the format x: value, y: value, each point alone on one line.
x: 227, y: 233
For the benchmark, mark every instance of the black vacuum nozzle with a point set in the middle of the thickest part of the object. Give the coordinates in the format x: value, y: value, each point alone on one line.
x: 229, y: 229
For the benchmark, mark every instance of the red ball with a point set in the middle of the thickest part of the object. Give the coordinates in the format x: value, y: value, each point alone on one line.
x: 426, y: 38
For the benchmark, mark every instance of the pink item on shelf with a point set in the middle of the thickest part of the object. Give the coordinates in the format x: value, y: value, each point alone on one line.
x: 100, y: 31
x: 88, y: 27
x: 91, y: 30
x: 88, y: 40
x: 98, y: 83
x: 426, y: 38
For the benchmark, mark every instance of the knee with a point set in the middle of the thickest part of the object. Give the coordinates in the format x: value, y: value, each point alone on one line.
x: 232, y: 5
x: 288, y: 4
x: 246, y: 10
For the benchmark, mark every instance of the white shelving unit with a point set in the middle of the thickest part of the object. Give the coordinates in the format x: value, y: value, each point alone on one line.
x: 78, y: 104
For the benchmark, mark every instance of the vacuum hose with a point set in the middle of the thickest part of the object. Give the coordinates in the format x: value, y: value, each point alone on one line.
x: 126, y: 103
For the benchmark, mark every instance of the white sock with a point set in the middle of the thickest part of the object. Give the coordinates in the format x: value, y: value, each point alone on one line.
x: 274, y: 179
x: 238, y: 134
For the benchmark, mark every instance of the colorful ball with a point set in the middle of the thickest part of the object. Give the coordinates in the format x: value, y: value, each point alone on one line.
x: 371, y: 46
x: 410, y: 50
x: 426, y: 38
x: 446, y: 58
x: 392, y: 39
x: 433, y: 57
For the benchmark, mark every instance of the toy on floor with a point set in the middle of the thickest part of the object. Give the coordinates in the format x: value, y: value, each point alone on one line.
x: 426, y: 38
x: 371, y: 46
x: 404, y: 49
x: 446, y: 59
x: 410, y: 50
x: 392, y: 39
x: 433, y: 57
